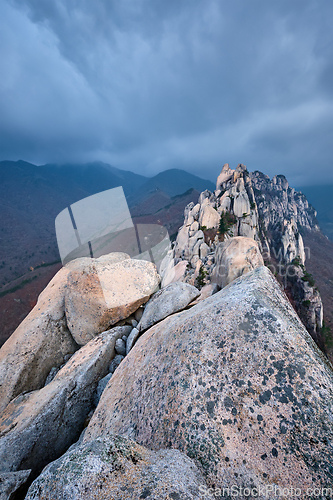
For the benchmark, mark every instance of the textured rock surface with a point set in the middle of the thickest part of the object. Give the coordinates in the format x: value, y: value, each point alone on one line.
x: 209, y: 217
x: 39, y: 426
x: 277, y: 201
x: 118, y: 468
x: 115, y: 363
x: 99, y: 296
x: 168, y: 300
x: 235, y: 257
x: 40, y: 342
x: 174, y: 273
x: 249, y: 396
x: 100, y: 388
x: 11, y: 482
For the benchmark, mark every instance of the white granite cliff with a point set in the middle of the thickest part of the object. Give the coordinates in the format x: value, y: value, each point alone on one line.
x: 253, y: 206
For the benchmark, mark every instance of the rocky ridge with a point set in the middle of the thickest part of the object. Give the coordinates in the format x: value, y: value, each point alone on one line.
x: 265, y: 210
x: 115, y: 388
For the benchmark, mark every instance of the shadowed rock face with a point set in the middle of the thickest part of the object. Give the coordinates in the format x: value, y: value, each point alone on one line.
x: 236, y: 383
x: 38, y: 426
x: 10, y: 482
x: 118, y: 468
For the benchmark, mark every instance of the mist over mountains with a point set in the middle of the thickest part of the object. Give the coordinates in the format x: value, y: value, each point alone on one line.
x: 321, y: 197
x: 32, y: 196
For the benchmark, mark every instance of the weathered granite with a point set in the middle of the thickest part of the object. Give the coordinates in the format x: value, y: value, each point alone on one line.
x: 99, y: 296
x: 235, y: 257
x: 168, y: 300
x: 118, y: 468
x: 39, y: 343
x: 10, y: 482
x: 38, y: 426
x: 235, y: 382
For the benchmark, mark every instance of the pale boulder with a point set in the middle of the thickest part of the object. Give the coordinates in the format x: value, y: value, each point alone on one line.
x: 241, y: 204
x: 225, y: 203
x: 235, y: 257
x: 182, y: 241
x: 209, y: 217
x: 204, y: 250
x: 292, y: 243
x: 194, y: 227
x: 131, y: 339
x: 194, y: 242
x: 175, y: 273
x: 246, y: 228
x: 105, y: 293
x: 225, y: 175
x: 39, y: 343
x: 195, y: 211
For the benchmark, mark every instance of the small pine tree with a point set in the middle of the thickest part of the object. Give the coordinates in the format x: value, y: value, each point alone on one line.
x: 201, y: 277
x: 227, y: 220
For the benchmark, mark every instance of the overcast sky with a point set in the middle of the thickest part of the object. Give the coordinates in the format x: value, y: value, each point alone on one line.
x: 148, y: 85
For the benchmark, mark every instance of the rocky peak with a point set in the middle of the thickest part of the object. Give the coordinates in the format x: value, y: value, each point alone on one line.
x: 249, y: 205
x: 225, y: 175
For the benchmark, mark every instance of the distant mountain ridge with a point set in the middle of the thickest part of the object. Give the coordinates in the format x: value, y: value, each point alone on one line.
x: 172, y: 182
x: 32, y: 196
x: 321, y: 197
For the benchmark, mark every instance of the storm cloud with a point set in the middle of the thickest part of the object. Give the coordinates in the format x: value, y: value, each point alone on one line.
x: 153, y: 84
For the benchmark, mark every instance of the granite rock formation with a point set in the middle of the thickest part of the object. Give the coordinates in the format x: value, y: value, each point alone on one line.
x: 165, y: 394
x: 248, y: 395
x: 101, y: 293
x: 118, y: 468
x: 254, y: 206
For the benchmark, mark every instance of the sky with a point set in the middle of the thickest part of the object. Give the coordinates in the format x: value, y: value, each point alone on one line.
x: 148, y: 85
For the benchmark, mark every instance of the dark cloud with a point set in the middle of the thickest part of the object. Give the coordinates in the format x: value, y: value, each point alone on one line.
x: 151, y: 84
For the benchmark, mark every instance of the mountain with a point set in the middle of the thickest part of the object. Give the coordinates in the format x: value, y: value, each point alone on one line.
x: 31, y: 198
x: 172, y: 182
x: 284, y: 225
x: 321, y: 198
x: 225, y: 386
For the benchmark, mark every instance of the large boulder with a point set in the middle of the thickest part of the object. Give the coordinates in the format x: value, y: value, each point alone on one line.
x: 235, y: 257
x: 236, y: 383
x: 105, y: 292
x: 38, y: 427
x: 168, y: 300
x: 209, y: 217
x: 39, y: 343
x: 118, y: 468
